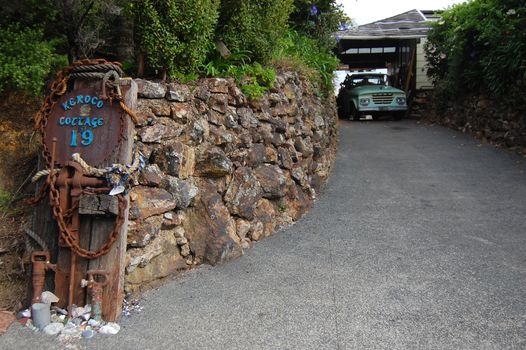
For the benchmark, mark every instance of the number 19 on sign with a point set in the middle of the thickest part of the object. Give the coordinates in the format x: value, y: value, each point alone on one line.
x: 86, y: 138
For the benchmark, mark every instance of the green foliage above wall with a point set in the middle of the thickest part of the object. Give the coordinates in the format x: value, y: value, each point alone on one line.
x: 318, y: 19
x: 254, y: 26
x: 253, y: 78
x: 301, y: 50
x: 480, y: 46
x: 26, y: 60
x: 176, y: 35
x: 42, y: 14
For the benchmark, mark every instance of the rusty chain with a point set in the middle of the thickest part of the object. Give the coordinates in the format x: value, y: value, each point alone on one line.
x: 69, y: 237
x: 58, y: 88
x: 42, y: 192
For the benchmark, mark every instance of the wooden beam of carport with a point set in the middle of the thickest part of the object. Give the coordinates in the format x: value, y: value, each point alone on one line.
x: 371, y: 60
x: 345, y: 44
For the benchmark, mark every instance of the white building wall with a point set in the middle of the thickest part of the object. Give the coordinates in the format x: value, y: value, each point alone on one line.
x: 422, y: 80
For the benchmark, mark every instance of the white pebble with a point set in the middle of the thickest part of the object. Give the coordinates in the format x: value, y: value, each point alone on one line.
x: 48, y: 297
x: 93, y: 323
x: 110, y: 328
x: 25, y: 313
x: 53, y: 328
x: 77, y: 311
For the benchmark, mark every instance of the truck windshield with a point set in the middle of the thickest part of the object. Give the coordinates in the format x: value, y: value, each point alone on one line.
x: 359, y: 80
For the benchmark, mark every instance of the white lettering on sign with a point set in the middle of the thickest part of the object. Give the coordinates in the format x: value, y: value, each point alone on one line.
x: 83, y: 99
x: 82, y: 125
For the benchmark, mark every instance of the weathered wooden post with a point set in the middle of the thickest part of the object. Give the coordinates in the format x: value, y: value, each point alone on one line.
x: 88, y: 138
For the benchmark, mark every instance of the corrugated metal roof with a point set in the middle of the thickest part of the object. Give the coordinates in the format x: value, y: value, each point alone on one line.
x: 407, y: 25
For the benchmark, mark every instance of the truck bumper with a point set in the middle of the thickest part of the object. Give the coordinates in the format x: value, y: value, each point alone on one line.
x: 382, y: 109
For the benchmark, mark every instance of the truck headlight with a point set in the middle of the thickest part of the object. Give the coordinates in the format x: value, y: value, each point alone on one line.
x: 400, y: 100
x: 364, y: 101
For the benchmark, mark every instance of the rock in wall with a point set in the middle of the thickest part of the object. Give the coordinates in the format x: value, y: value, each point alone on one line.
x: 491, y: 120
x: 222, y: 171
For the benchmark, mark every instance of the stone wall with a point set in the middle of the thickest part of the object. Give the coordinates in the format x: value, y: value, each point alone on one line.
x: 222, y: 171
x: 493, y: 121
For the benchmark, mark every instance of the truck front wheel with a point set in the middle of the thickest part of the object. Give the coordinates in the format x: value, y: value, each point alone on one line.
x: 355, y: 113
x: 398, y: 115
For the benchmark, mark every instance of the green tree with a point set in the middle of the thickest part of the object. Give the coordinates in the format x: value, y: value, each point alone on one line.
x: 299, y: 50
x: 80, y: 28
x: 480, y: 46
x: 41, y: 14
x: 318, y: 19
x: 95, y: 28
x: 254, y: 26
x: 26, y: 60
x: 175, y: 35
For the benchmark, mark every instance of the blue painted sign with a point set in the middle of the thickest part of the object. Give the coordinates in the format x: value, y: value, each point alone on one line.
x: 82, y: 126
x: 84, y: 123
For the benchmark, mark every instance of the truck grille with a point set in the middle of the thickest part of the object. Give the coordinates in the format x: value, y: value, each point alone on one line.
x: 383, y: 99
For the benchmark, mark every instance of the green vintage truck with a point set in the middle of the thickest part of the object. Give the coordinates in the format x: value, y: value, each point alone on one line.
x: 367, y: 93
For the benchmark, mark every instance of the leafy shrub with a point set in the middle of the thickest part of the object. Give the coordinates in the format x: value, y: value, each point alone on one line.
x: 253, y: 78
x: 175, y: 35
x: 227, y: 66
x: 480, y: 46
x: 26, y: 60
x: 299, y: 48
x: 254, y: 25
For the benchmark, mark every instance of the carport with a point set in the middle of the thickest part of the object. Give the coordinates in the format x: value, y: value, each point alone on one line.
x: 395, y: 43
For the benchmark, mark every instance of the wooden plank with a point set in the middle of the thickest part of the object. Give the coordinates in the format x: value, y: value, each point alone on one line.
x: 410, y: 71
x: 114, y: 261
x: 80, y: 294
x: 62, y: 273
x: 64, y: 262
x: 45, y: 226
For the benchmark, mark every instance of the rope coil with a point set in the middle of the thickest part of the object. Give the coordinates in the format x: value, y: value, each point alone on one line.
x: 100, y: 68
x: 98, y: 172
x: 87, y: 75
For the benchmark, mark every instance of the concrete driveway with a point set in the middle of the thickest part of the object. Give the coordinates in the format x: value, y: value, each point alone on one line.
x: 418, y: 242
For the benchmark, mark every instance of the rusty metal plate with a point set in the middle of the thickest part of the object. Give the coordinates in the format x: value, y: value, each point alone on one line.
x: 85, y: 124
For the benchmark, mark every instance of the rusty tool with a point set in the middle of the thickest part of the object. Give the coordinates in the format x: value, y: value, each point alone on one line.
x: 67, y: 201
x: 41, y: 264
x: 72, y: 180
x: 66, y: 188
x: 95, y: 290
x: 66, y: 204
